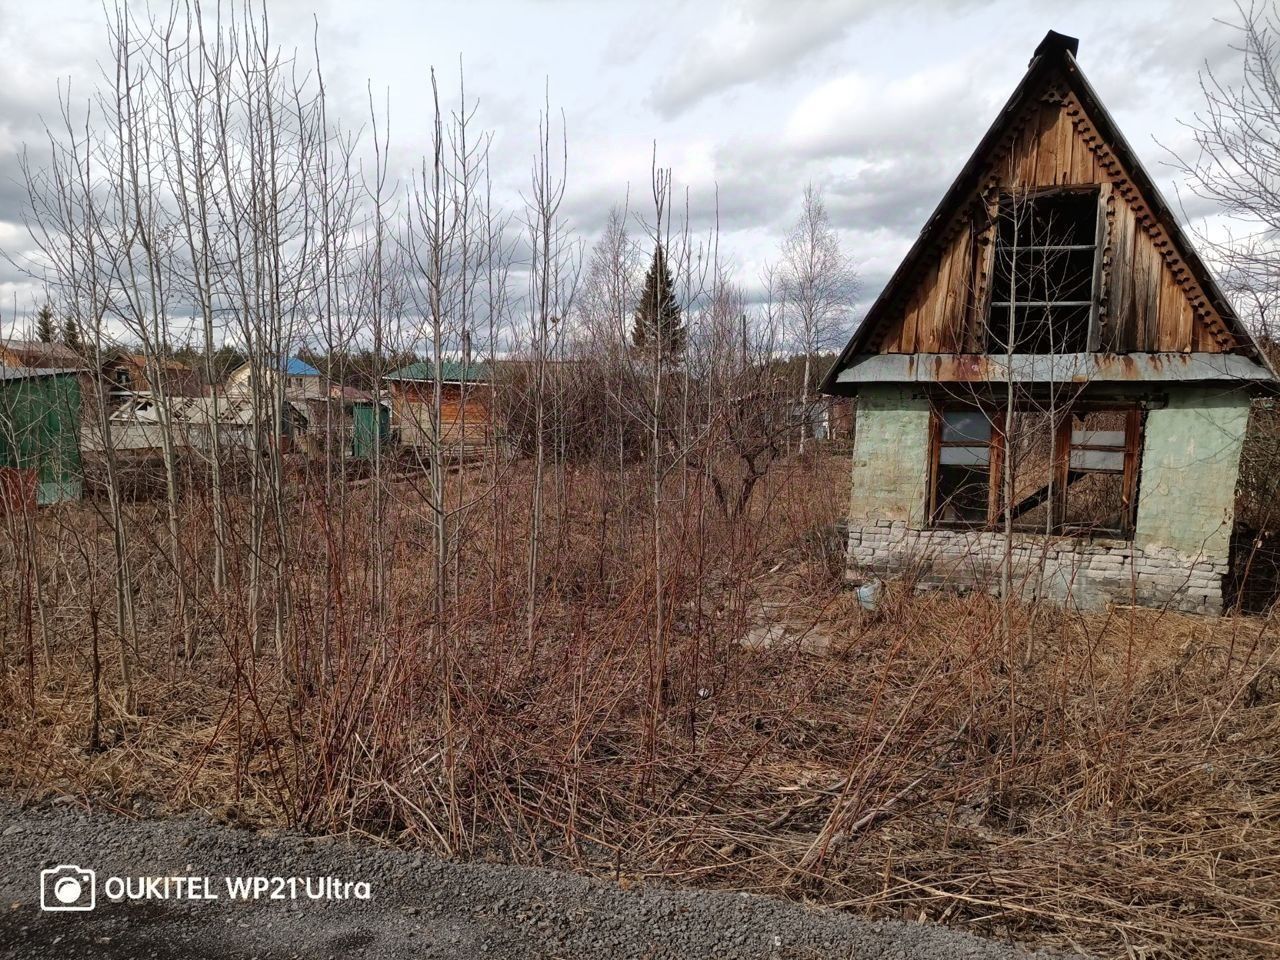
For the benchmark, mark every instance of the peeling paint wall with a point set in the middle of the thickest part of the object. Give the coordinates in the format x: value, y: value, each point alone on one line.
x: 1179, y: 555
x: 890, y: 455
x: 1190, y: 461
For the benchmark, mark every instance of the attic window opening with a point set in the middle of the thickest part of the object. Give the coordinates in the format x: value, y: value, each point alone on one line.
x: 1042, y: 285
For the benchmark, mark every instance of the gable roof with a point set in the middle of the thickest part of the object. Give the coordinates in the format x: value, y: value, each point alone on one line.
x: 37, y: 353
x: 1053, y: 59
x: 451, y: 371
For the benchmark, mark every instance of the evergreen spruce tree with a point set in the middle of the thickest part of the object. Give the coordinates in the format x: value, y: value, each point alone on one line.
x: 658, y: 323
x: 45, y: 331
x: 71, y: 334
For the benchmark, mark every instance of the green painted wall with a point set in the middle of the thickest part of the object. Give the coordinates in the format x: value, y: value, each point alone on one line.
x: 39, y: 430
x: 890, y: 454
x: 371, y: 425
x: 1190, y: 460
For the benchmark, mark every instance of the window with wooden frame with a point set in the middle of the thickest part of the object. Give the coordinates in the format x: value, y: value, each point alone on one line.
x: 1073, y: 472
x: 1100, y: 472
x: 1044, y: 272
x: 960, y: 494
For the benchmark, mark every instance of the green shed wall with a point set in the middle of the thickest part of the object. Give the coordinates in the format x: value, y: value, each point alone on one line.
x: 39, y: 430
x: 370, y: 425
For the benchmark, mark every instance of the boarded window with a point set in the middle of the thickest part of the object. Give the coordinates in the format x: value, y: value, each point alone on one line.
x: 1043, y: 277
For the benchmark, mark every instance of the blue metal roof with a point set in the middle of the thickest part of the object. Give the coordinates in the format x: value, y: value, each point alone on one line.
x: 293, y: 367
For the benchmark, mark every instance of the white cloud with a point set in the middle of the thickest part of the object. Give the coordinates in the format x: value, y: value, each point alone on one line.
x: 865, y: 115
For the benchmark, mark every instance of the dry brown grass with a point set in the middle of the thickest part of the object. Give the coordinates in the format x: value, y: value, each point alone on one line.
x: 1108, y: 782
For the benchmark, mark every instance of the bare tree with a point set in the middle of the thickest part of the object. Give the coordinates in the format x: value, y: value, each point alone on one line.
x: 819, y: 284
x: 1236, y: 163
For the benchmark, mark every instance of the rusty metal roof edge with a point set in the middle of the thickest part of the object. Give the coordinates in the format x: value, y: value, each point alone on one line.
x: 1052, y: 368
x: 30, y: 373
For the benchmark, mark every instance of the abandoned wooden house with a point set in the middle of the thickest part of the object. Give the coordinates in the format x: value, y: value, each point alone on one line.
x: 1052, y: 390
x: 138, y: 426
x: 124, y: 373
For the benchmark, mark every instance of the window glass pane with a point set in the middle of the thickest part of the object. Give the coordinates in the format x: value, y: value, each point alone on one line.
x: 965, y: 456
x: 1097, y: 460
x: 962, y: 425
x: 1097, y: 438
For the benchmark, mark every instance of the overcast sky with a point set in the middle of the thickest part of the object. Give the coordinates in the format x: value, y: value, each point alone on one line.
x: 879, y: 103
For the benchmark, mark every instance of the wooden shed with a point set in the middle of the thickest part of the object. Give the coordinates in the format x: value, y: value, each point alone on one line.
x: 1052, y: 389
x: 466, y: 398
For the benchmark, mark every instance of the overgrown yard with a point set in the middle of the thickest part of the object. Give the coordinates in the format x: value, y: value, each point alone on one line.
x: 1109, y: 782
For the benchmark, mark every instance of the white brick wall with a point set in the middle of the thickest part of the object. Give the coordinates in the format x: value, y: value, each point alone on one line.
x: 1084, y: 573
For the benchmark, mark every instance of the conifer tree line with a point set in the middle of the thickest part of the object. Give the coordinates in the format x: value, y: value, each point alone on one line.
x: 45, y: 329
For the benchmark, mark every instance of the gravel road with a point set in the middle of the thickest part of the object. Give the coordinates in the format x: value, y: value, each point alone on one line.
x: 417, y: 906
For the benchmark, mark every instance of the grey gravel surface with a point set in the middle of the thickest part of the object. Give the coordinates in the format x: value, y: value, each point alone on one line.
x: 419, y: 906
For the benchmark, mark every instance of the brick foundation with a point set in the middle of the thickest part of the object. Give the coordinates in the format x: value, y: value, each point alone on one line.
x: 1083, y: 573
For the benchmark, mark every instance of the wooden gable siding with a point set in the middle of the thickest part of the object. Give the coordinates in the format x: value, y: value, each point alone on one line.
x: 468, y: 420
x: 1148, y: 300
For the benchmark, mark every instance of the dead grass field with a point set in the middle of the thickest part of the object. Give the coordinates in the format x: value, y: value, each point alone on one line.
x: 1106, y: 782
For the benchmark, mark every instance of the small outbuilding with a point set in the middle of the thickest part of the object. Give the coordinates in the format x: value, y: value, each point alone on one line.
x: 39, y: 436
x: 1052, y: 390
x: 466, y: 393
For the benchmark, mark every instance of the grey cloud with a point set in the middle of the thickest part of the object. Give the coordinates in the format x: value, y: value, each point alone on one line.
x: 771, y: 37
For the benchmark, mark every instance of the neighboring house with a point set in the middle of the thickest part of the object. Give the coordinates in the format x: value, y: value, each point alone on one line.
x: 465, y: 401
x: 124, y: 373
x: 301, y: 380
x: 39, y: 436
x: 1052, y: 356
x: 136, y: 424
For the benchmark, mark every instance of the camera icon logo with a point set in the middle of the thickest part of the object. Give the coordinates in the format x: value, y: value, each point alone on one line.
x: 67, y: 887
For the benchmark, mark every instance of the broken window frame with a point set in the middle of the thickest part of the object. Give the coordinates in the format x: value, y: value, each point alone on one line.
x: 1130, y: 449
x: 1003, y: 203
x: 1061, y: 468
x: 937, y: 444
